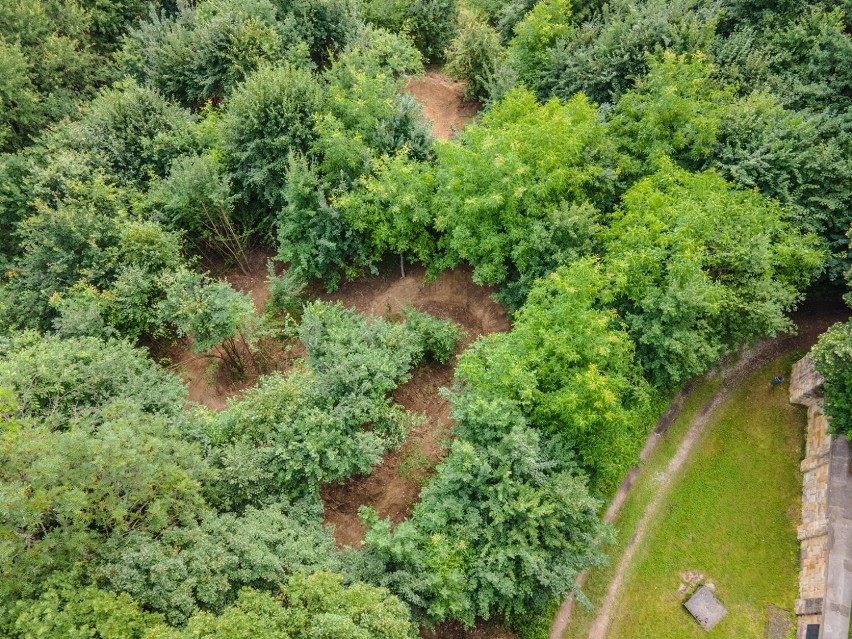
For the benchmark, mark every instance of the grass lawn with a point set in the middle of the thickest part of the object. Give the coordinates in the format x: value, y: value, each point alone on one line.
x: 731, y: 515
x: 643, y: 490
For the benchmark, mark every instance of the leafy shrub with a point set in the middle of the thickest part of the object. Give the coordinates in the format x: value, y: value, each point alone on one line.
x: 20, y: 115
x: 431, y: 23
x: 800, y: 158
x: 439, y: 337
x: 267, y: 118
x: 289, y: 434
x: 548, y: 22
x: 603, y: 57
x: 56, y: 379
x: 391, y: 209
x: 203, y: 51
x: 196, y: 198
x: 136, y: 131
x: 570, y: 368
x: 676, y: 111
x: 204, y: 566
x: 216, y: 317
x: 316, y: 605
x: 700, y: 269
x: 832, y: 355
x: 474, y: 55
x: 474, y: 546
x: 313, y: 237
x: 66, y: 610
x: 70, y: 491
x: 514, y: 198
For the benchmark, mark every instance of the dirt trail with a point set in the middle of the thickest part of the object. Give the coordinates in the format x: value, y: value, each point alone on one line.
x: 812, y: 322
x: 443, y: 103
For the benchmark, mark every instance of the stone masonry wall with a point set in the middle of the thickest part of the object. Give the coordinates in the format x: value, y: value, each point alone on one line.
x: 813, y: 532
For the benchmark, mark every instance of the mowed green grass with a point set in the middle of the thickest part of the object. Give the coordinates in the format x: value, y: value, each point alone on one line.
x: 641, y: 494
x: 731, y: 515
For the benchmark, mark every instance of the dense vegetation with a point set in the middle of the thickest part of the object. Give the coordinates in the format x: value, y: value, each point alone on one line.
x: 652, y: 185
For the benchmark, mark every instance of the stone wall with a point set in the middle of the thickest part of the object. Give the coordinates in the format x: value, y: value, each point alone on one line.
x: 825, y: 577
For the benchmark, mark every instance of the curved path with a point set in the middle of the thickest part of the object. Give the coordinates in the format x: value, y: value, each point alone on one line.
x: 811, y: 325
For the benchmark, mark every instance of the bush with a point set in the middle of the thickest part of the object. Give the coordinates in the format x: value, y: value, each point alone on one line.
x: 216, y: 558
x: 290, y: 434
x: 700, y: 269
x: 70, y: 491
x: 570, y: 368
x: 430, y: 23
x: 313, y: 236
x: 548, y: 22
x: 474, y: 547
x: 217, y: 318
x: 514, y: 198
x: 266, y: 119
x: 311, y: 606
x: 196, y: 198
x: 474, y: 55
x: 203, y: 52
x: 55, y: 379
x: 832, y: 355
x: 391, y: 209
x: 136, y: 131
x: 603, y: 57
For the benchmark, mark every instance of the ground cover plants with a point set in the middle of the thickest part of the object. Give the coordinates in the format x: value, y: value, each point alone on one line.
x: 650, y: 187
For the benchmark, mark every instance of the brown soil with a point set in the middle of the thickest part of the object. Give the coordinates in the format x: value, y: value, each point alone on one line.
x: 443, y: 103
x: 482, y: 630
x: 394, y: 485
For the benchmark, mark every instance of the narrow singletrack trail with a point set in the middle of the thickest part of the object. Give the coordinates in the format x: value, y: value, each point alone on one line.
x: 810, y: 326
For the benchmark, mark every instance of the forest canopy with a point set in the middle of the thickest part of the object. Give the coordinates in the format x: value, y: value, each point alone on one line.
x: 648, y: 187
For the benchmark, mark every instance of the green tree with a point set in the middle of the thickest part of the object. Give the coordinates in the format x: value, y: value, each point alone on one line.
x: 203, y: 52
x: 674, y: 111
x: 266, y: 119
x: 196, y: 198
x: 515, y: 196
x: 136, y: 131
x: 56, y: 379
x: 20, y: 113
x: 203, y: 566
x: 832, y: 355
x: 547, y: 23
x: 69, y: 491
x: 570, y: 368
x: 218, y: 318
x: 700, y: 269
x: 604, y: 56
x: 68, y: 610
x: 391, y: 209
x: 316, y: 606
x: 314, y: 238
x: 499, y: 529
x: 475, y: 55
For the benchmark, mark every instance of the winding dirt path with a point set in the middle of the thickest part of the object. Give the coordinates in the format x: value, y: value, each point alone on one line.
x: 812, y: 323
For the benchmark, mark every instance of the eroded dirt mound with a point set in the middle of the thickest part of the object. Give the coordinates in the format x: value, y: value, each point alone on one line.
x: 394, y: 485
x: 443, y: 103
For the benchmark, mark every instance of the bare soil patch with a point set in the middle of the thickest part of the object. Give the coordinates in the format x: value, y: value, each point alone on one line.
x: 482, y: 630
x: 443, y: 103
x: 394, y: 484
